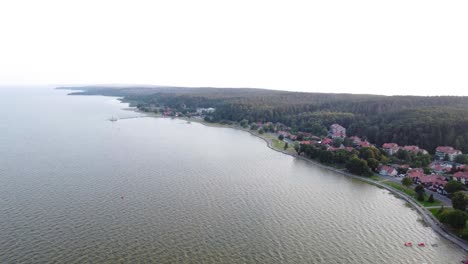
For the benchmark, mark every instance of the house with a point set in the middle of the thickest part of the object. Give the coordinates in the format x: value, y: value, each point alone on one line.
x: 349, y: 149
x: 440, y: 167
x: 415, y: 149
x: 364, y: 144
x: 390, y: 148
x: 387, y: 171
x: 434, y: 182
x: 306, y: 142
x: 337, y: 131
x: 326, y: 141
x: 415, y: 174
x: 443, y: 151
x: 356, y: 140
x: 461, y: 176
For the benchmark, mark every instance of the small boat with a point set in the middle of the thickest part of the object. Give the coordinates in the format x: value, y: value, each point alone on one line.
x: 422, y: 244
x: 408, y: 244
x: 113, y: 119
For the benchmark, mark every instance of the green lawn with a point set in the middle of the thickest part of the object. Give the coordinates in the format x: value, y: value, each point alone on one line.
x: 412, y: 193
x: 279, y: 144
x: 375, y: 177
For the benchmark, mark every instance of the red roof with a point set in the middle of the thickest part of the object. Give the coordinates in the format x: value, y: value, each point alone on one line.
x: 416, y: 173
x: 461, y: 174
x: 447, y: 150
x: 433, y: 179
x: 388, y: 169
x: 390, y: 145
x: 327, y: 141
x: 364, y: 144
x: 410, y: 148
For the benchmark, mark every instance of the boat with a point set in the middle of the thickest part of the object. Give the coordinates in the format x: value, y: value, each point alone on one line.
x: 113, y: 119
x: 408, y: 244
x: 422, y: 244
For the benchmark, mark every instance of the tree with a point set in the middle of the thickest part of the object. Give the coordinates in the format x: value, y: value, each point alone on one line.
x: 261, y: 131
x: 373, y: 163
x: 297, y: 147
x: 453, y: 169
x: 286, y: 145
x: 427, y: 170
x: 244, y: 123
x: 430, y: 199
x: 253, y: 127
x: 280, y: 137
x: 326, y: 156
x: 446, y: 158
x: 419, y: 189
x: 347, y: 142
x: 357, y: 166
x: 455, y: 218
x: 407, y: 181
x: 463, y: 159
x: 459, y: 201
x: 367, y: 153
x: 403, y: 155
x: 337, y: 142
x: 454, y: 186
x: 420, y: 196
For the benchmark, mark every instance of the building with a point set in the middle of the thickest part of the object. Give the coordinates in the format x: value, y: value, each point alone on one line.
x: 415, y: 149
x: 390, y: 148
x: 450, y: 152
x: 337, y: 131
x: 326, y: 141
x: 364, y: 144
x: 440, y: 167
x: 356, y: 140
x: 416, y: 174
x: 434, y: 183
x: 461, y: 176
x: 387, y: 171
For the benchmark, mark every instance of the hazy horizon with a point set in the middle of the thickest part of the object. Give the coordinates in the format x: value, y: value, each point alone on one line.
x: 360, y: 47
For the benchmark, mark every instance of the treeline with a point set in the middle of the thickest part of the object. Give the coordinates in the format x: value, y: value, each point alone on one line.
x: 407, y: 120
x: 358, y: 161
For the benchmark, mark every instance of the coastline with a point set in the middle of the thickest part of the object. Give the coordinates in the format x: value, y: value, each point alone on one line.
x: 427, y: 216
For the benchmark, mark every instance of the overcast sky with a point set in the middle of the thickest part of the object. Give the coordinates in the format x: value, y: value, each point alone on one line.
x: 379, y: 47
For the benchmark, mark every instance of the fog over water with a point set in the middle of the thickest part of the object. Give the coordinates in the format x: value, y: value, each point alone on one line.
x: 75, y: 187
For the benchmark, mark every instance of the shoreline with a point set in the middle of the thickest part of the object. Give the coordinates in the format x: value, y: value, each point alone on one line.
x: 427, y: 216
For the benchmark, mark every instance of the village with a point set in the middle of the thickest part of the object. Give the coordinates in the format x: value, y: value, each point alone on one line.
x: 441, y: 169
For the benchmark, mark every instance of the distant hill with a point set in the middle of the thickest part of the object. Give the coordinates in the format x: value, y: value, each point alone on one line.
x: 424, y: 121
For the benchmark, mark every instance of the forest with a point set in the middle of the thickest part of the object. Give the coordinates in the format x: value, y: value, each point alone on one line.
x: 407, y: 120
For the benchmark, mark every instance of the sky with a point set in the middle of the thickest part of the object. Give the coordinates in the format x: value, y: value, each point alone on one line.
x: 376, y: 47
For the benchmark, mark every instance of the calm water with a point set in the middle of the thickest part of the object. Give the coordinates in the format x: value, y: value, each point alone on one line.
x: 192, y: 194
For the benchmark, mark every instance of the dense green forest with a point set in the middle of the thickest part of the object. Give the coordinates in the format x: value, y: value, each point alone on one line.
x: 406, y: 120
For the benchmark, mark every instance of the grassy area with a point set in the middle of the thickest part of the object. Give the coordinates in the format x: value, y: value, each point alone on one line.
x: 412, y: 193
x: 279, y: 144
x: 434, y: 211
x: 375, y: 178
